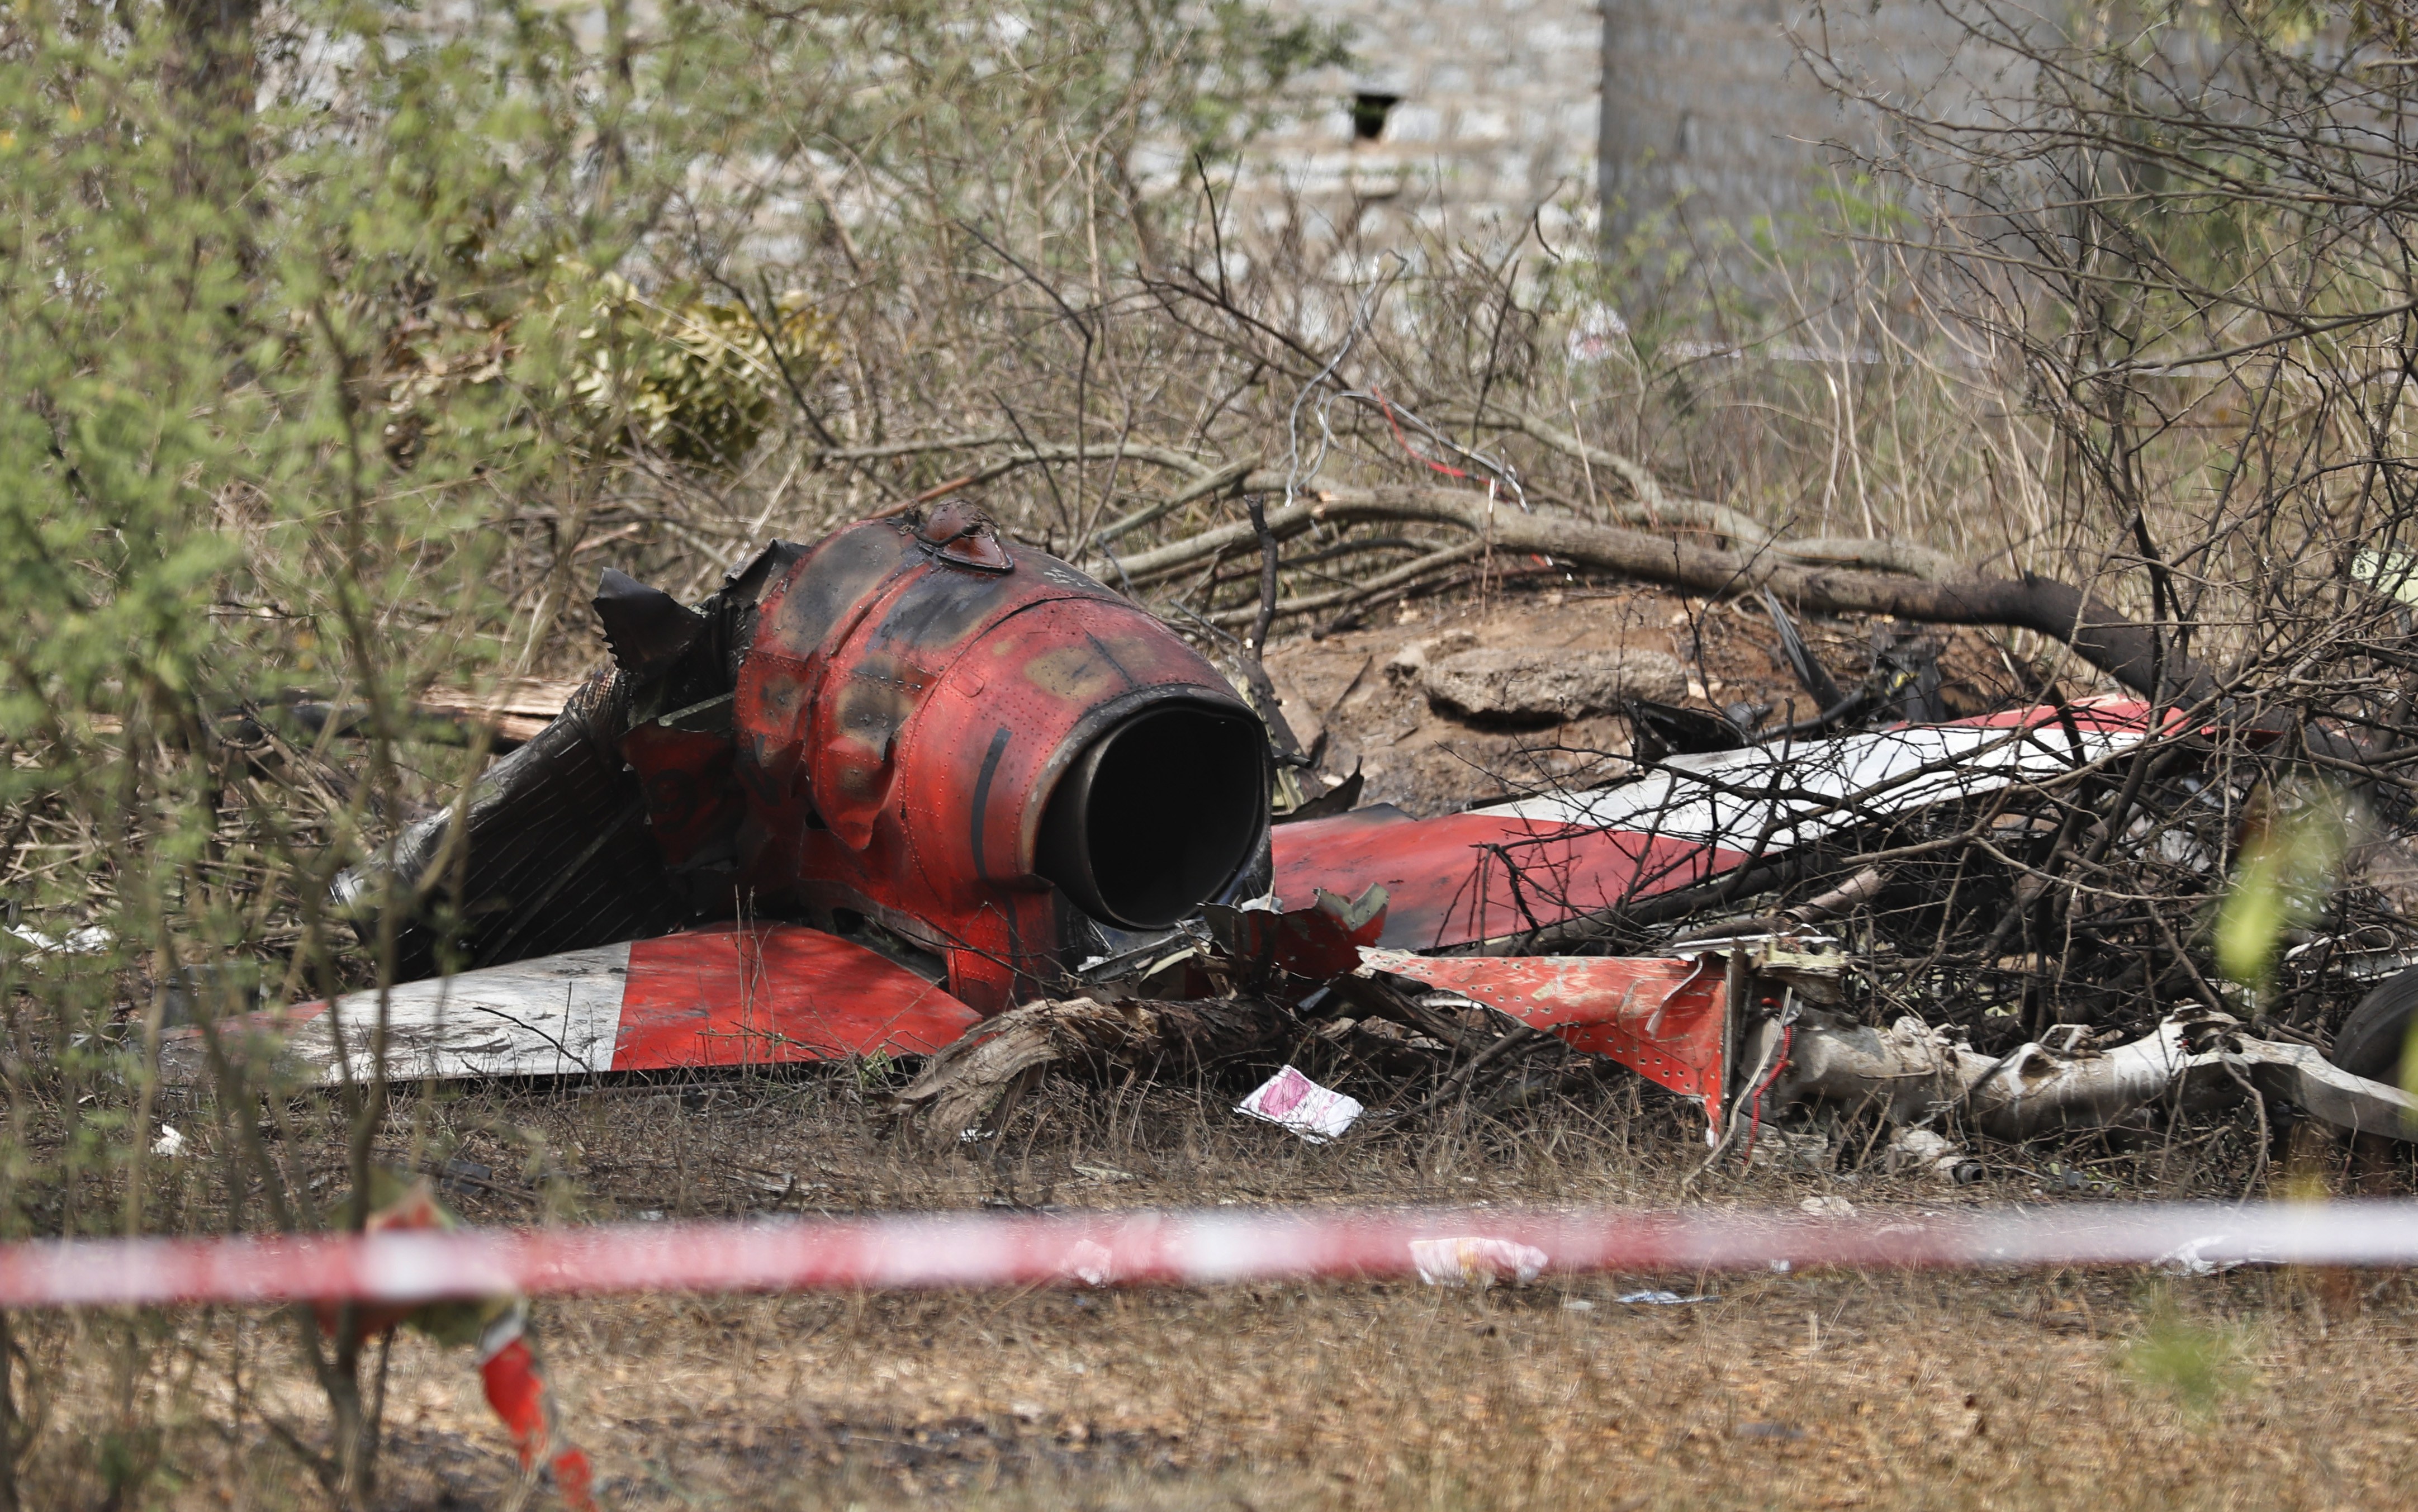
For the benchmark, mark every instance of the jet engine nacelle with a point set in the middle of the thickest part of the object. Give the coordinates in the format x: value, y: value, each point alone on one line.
x: 963, y: 741
x: 951, y: 733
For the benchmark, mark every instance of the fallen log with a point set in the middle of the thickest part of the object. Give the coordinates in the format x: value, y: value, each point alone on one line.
x: 2134, y: 654
x: 1826, y: 575
x: 1657, y: 508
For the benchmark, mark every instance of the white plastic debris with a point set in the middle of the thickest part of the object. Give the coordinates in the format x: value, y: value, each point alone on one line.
x: 2188, y: 1259
x: 89, y: 941
x: 1475, y: 1261
x: 1922, y: 1152
x: 1661, y: 1298
x: 1828, y: 1207
x: 1793, y: 1150
x: 170, y: 1144
x: 1293, y: 1101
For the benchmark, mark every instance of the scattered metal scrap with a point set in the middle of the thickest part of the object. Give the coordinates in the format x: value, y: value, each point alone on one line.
x: 919, y: 790
x: 1912, y: 1071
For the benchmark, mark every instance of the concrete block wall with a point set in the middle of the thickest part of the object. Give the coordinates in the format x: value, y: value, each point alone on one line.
x: 1562, y: 109
x: 1496, y: 121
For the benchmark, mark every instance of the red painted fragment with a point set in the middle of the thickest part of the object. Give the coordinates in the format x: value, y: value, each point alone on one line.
x: 1663, y: 1018
x: 2095, y: 714
x: 769, y: 994
x: 903, y: 718
x: 1465, y: 878
x: 686, y: 775
x: 517, y: 1391
x: 1322, y: 941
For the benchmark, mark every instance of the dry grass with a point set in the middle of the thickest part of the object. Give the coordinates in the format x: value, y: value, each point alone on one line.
x: 1869, y: 1390
x: 2258, y: 1389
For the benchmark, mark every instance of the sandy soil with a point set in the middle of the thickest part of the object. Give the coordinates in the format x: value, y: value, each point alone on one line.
x: 1426, y: 760
x: 2262, y: 1389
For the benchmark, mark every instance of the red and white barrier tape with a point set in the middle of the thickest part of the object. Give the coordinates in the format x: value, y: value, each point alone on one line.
x: 983, y: 1249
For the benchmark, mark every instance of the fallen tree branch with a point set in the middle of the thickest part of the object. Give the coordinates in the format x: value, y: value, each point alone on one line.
x: 1656, y: 506
x: 2100, y: 633
x: 516, y: 711
x: 1408, y: 572
x: 1515, y: 531
x: 1224, y: 478
x: 1158, y: 456
x: 1904, y: 557
x: 1646, y: 489
x: 966, y: 1088
x: 1911, y: 1070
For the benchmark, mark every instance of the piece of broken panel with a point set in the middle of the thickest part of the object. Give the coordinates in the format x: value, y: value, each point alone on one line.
x: 1497, y: 873
x: 1666, y: 1019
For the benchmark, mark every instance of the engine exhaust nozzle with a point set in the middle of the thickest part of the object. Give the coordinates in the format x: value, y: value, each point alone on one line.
x: 1159, y: 815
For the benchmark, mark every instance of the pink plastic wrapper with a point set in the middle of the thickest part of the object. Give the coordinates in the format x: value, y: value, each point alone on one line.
x: 1293, y: 1100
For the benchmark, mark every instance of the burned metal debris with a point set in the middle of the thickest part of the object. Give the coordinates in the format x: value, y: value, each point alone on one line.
x: 956, y: 748
x: 919, y: 790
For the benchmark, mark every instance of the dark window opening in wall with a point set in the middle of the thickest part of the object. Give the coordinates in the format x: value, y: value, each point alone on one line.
x: 1368, y: 113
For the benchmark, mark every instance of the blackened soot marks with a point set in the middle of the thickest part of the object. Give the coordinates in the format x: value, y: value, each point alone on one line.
x: 1106, y: 655
x: 982, y: 796
x: 835, y: 578
x: 940, y: 610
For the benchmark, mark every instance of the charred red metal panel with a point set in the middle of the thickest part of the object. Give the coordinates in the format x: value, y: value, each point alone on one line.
x: 771, y: 994
x: 902, y: 717
x: 1317, y: 942
x: 685, y: 775
x: 1463, y: 878
x: 2102, y: 714
x: 1663, y: 1018
x: 1016, y: 711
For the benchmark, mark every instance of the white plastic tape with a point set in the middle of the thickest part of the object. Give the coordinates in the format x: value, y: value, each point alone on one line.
x: 987, y: 1249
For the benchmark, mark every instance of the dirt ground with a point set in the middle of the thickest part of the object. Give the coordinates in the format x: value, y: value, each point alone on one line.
x: 1425, y: 760
x: 2265, y: 1389
x: 2121, y: 1388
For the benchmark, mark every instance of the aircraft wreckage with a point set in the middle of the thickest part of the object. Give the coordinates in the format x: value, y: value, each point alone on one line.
x: 874, y: 793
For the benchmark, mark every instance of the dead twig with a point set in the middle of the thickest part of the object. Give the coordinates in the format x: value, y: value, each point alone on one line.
x: 964, y: 1091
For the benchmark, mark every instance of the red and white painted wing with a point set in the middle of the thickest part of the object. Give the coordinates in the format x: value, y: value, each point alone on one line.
x: 1494, y: 873
x: 723, y: 997
x: 1790, y: 794
x: 557, y: 1016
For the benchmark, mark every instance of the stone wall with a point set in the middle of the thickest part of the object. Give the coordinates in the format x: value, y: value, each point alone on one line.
x: 1493, y: 120
x: 1508, y: 109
